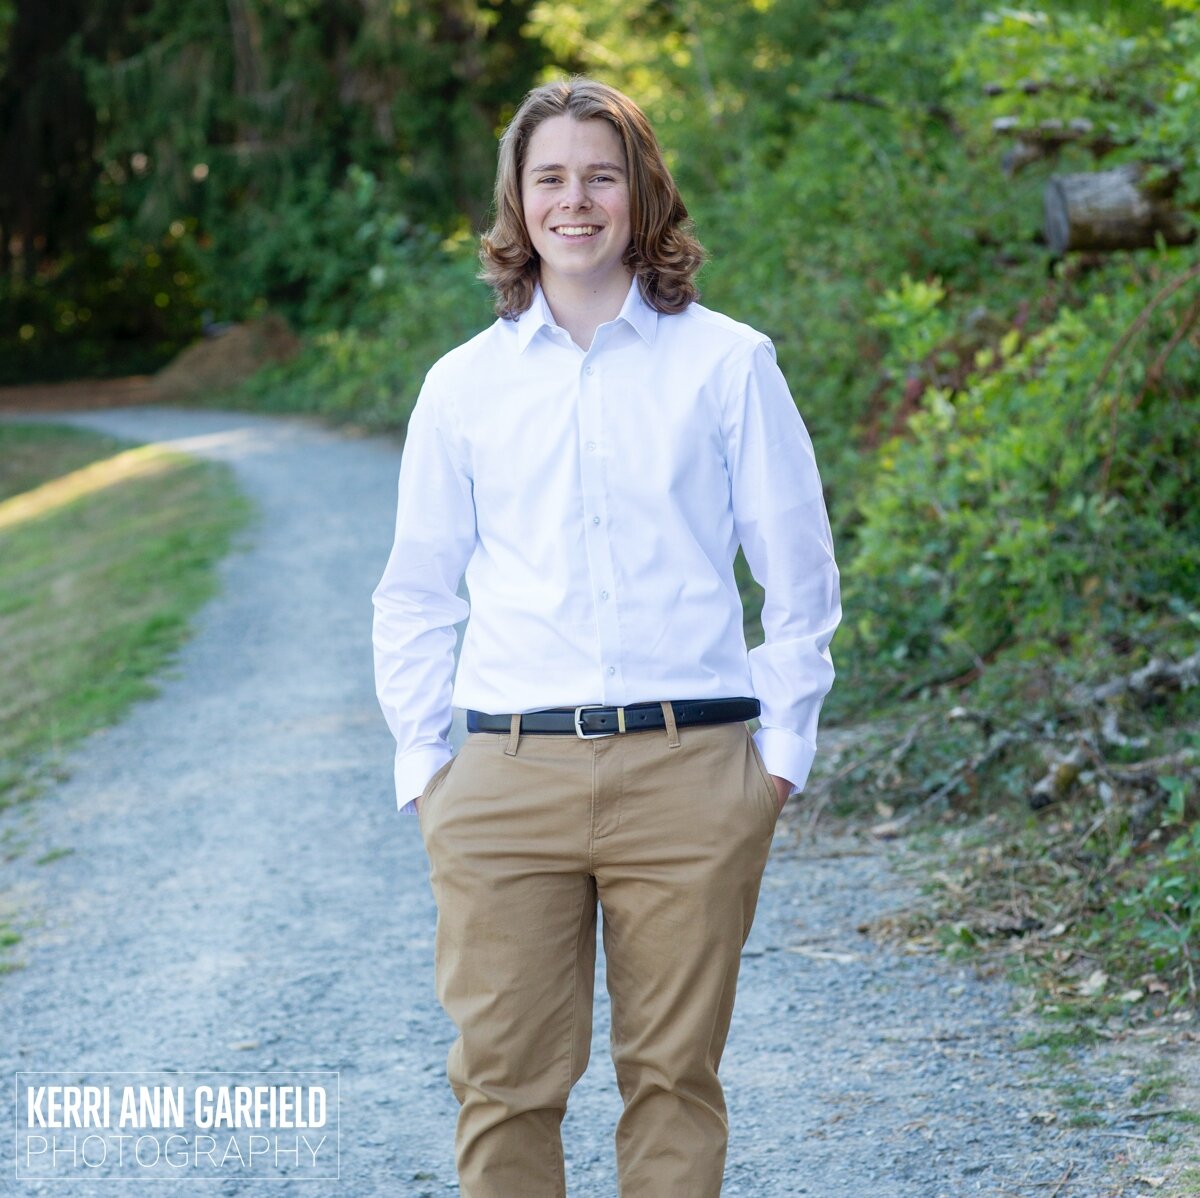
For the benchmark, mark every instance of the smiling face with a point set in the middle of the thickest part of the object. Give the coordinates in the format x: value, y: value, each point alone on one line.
x: 575, y: 200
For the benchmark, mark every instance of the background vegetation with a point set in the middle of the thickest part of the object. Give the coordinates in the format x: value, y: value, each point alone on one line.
x: 1009, y: 438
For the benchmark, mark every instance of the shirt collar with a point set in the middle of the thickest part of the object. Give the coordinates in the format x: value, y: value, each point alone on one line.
x: 638, y: 314
x: 536, y: 316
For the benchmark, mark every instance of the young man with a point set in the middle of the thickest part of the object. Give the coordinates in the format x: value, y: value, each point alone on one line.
x: 591, y: 462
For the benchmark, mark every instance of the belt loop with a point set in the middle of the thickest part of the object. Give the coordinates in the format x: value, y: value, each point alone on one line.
x: 669, y: 719
x: 514, y: 735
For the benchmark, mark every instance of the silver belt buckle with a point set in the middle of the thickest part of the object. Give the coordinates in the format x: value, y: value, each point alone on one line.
x: 579, y: 732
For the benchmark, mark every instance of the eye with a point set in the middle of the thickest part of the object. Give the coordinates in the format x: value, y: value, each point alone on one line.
x: 548, y: 179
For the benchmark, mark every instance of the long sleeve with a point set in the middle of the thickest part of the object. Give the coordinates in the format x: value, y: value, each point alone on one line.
x: 417, y: 602
x: 781, y: 521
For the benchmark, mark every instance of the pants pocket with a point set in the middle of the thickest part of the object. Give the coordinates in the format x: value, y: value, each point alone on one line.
x: 430, y: 787
x: 767, y: 790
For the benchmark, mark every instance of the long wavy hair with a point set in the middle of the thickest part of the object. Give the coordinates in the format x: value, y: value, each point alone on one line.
x: 663, y: 253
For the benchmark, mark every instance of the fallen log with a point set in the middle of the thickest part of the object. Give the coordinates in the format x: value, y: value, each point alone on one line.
x: 1033, y: 143
x: 1125, y: 208
x: 1157, y: 674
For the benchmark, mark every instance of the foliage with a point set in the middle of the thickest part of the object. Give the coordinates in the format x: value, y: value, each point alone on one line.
x: 870, y: 184
x: 1091, y: 898
x: 47, y: 128
x: 241, y: 134
x: 1006, y: 512
x: 1111, y: 84
x: 370, y: 373
x: 117, y: 306
x: 327, y: 257
x: 1160, y: 911
x: 250, y: 117
x: 1088, y: 914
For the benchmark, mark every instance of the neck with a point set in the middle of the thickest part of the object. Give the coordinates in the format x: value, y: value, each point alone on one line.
x: 581, y: 307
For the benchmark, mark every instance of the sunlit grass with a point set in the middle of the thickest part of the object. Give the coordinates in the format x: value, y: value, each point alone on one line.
x: 106, y: 552
x: 112, y: 471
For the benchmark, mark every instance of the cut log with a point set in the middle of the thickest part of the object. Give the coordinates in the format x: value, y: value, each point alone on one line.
x: 1155, y: 677
x: 1117, y: 209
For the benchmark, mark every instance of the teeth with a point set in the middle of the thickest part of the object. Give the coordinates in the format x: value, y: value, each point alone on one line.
x: 577, y: 230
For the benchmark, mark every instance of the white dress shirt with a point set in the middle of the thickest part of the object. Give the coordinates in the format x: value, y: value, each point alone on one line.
x: 595, y: 501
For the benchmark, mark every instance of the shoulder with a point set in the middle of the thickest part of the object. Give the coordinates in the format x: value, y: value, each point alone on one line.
x: 464, y: 366
x: 701, y: 329
x: 717, y: 328
x: 457, y: 376
x: 727, y: 353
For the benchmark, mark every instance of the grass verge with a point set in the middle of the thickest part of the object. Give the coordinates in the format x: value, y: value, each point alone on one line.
x: 106, y: 552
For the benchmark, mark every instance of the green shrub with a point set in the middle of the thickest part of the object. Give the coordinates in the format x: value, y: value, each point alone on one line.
x: 370, y: 372
x: 1042, y: 506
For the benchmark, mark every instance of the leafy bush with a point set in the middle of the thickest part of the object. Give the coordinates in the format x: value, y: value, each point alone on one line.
x: 1043, y: 505
x: 423, y: 303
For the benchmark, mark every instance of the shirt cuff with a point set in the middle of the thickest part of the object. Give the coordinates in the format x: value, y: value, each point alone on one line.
x: 413, y: 770
x: 786, y: 755
x: 409, y: 808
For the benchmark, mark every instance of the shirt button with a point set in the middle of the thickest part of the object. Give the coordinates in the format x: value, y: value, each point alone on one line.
x: 612, y: 669
x: 591, y: 447
x: 603, y: 594
x: 589, y: 370
x: 595, y: 519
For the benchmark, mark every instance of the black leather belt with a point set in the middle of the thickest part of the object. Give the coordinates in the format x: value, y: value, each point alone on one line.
x: 594, y: 720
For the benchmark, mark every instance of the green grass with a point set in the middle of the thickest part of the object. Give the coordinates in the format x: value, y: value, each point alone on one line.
x: 32, y: 454
x: 52, y: 856
x: 105, y: 555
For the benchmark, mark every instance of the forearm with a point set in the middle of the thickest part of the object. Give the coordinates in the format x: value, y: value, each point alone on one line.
x: 783, y: 527
x: 417, y: 603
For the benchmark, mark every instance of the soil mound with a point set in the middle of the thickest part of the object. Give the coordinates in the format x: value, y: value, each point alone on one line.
x: 215, y: 364
x: 218, y: 363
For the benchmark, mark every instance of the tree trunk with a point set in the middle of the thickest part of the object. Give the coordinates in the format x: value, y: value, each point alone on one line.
x: 246, y: 34
x: 1113, y: 210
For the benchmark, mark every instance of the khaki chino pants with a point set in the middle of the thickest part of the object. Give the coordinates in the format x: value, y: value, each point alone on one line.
x: 669, y: 830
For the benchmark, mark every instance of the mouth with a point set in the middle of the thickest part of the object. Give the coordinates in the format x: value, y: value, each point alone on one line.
x: 577, y: 232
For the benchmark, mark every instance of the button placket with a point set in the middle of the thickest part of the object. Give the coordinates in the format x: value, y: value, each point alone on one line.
x: 599, y: 547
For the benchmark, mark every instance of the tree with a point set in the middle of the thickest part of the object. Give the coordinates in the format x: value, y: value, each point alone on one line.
x: 47, y: 132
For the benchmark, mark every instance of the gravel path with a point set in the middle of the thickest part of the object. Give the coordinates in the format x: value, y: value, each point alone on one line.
x: 242, y: 895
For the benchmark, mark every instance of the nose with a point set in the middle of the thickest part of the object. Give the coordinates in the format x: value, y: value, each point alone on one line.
x: 576, y: 195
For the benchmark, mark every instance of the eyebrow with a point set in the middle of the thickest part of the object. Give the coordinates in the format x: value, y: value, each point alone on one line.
x: 557, y: 166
